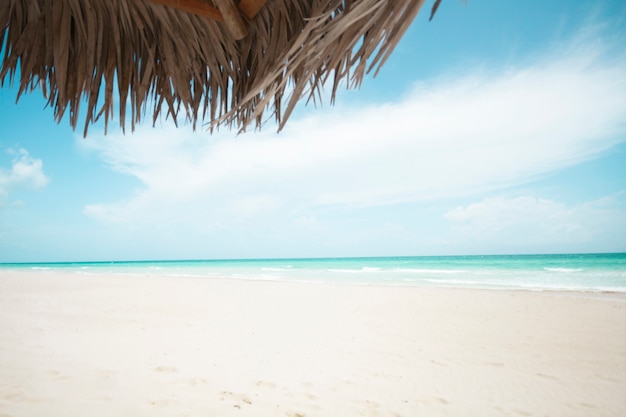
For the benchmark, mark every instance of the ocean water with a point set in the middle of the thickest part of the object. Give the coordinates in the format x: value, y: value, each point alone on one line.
x: 575, y: 272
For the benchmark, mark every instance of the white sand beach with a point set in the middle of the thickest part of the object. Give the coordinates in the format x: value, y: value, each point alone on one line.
x: 81, y: 345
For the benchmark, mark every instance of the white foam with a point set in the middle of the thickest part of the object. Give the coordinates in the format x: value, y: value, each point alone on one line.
x: 563, y: 269
x: 356, y: 271
x: 430, y: 271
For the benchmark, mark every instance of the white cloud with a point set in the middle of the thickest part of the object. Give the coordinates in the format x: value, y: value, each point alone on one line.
x: 25, y: 172
x: 527, y: 223
x: 448, y: 138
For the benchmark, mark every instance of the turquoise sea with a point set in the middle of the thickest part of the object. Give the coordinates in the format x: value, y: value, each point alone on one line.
x: 574, y: 272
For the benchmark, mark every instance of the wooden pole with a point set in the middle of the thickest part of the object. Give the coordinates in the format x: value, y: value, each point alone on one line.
x: 226, y: 11
x: 197, y: 7
x: 232, y: 18
x: 250, y: 8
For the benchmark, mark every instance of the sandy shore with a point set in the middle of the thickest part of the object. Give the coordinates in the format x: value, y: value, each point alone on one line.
x: 77, y: 345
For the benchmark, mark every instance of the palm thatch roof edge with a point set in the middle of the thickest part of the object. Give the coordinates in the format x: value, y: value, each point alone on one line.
x: 154, y: 58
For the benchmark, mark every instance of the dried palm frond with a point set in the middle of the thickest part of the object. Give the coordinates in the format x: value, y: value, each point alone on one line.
x: 87, y: 51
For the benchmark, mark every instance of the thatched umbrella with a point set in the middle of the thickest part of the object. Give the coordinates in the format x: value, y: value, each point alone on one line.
x: 221, y: 61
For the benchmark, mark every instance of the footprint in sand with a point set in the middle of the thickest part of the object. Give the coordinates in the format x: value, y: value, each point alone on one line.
x: 56, y: 374
x: 495, y: 364
x: 237, y: 399
x: 163, y: 403
x: 170, y: 369
x: 194, y: 382
x: 433, y: 400
x: 265, y: 384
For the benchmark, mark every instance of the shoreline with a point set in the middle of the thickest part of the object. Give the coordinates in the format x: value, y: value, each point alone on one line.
x: 565, y: 272
x: 78, y: 344
x: 617, y: 295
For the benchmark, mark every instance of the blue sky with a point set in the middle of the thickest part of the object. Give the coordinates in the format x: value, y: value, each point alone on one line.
x: 499, y: 127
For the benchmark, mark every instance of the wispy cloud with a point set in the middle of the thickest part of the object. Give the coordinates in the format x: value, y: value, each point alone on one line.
x: 529, y: 223
x: 457, y: 136
x: 25, y: 172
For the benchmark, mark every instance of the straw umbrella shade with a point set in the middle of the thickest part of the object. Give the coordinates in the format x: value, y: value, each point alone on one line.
x: 221, y: 62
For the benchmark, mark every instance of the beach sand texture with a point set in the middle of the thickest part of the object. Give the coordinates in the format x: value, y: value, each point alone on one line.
x: 110, y: 345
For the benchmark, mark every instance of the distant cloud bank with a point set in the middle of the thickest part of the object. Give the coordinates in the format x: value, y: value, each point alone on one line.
x: 525, y: 222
